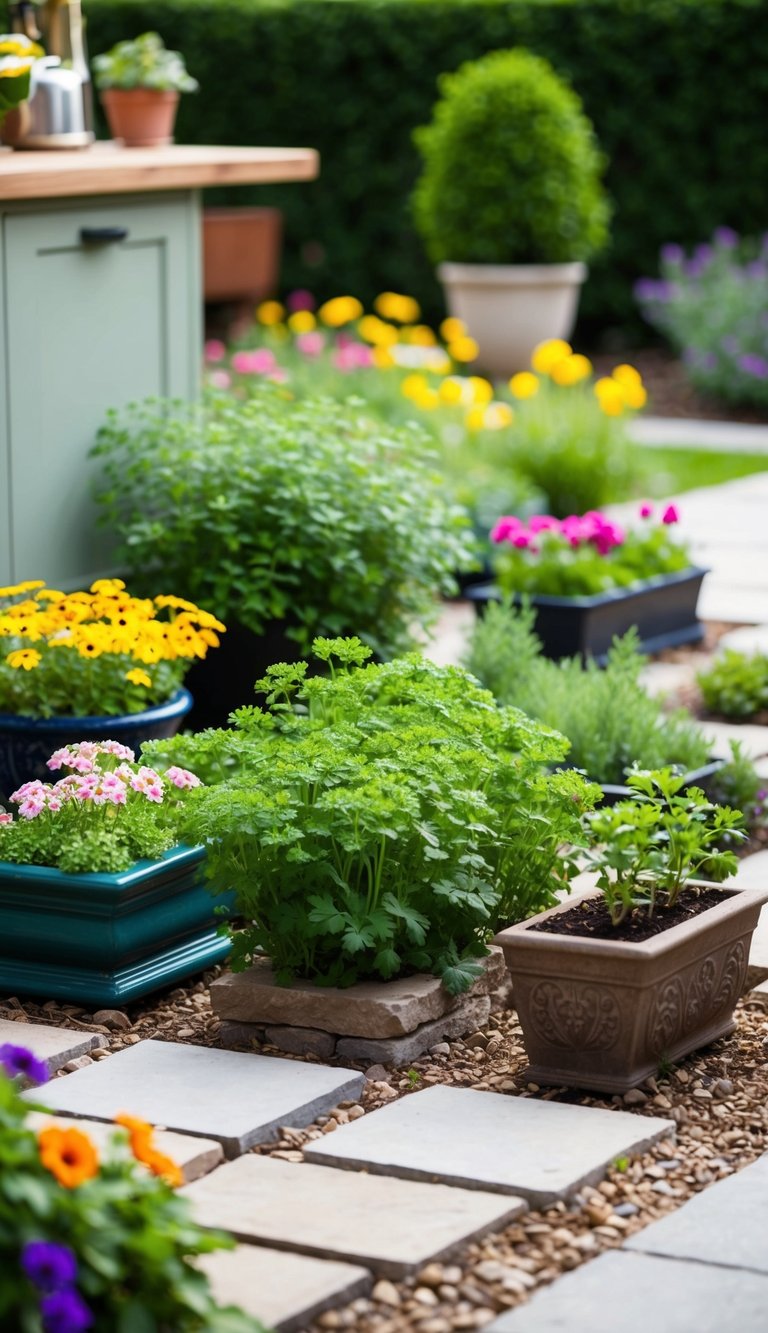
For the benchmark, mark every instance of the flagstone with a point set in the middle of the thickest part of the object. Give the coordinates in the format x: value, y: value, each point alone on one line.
x: 541, y: 1150
x: 285, y: 1291
x: 725, y: 1224
x: 753, y: 739
x: 391, y: 1226
x: 237, y: 1098
x: 195, y: 1156
x: 621, y: 1292
x: 56, y: 1046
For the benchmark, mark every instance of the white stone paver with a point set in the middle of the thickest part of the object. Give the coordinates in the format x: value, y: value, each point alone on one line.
x: 726, y: 1224
x: 285, y: 1291
x: 753, y: 739
x: 622, y: 1292
x: 237, y: 1098
x: 195, y: 1156
x: 56, y: 1046
x: 680, y: 433
x: 541, y: 1150
x: 746, y: 639
x: 391, y: 1226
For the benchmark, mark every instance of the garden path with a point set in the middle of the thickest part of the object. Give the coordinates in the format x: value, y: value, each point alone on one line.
x: 681, y: 433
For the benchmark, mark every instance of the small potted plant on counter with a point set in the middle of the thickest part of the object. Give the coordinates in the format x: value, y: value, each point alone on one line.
x: 99, y: 903
x: 613, y: 982
x: 139, y: 83
x: 590, y: 580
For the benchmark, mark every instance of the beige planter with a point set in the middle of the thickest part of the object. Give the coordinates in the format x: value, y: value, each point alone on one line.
x: 509, y: 308
x: 603, y: 1015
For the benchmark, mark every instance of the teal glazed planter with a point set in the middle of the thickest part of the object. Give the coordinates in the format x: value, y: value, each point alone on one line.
x: 27, y: 743
x: 107, y: 939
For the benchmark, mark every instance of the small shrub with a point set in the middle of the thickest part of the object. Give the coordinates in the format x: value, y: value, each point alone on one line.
x: 736, y: 685
x: 380, y: 821
x: 611, y: 722
x: 739, y: 785
x: 512, y: 171
x: 271, y: 509
x: 713, y: 307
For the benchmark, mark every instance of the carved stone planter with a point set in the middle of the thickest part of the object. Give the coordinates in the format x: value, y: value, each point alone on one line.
x: 603, y: 1015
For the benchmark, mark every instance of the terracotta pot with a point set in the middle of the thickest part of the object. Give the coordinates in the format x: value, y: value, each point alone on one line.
x: 241, y: 253
x: 509, y: 308
x: 141, y: 117
x: 603, y: 1015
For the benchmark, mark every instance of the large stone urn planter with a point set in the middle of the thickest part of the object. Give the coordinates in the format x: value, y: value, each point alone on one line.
x: 509, y: 308
x: 602, y: 1014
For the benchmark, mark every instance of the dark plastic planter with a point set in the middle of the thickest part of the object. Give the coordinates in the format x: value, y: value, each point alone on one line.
x: 698, y: 777
x: 106, y: 939
x: 663, y: 610
x: 26, y: 743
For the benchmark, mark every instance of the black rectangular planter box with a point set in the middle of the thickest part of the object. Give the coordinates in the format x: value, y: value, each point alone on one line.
x: 698, y: 777
x: 662, y: 609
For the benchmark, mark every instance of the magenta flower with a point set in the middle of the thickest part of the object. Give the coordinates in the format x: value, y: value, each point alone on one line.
x: 261, y: 361
x: 521, y: 539
x: 671, y: 515
x: 300, y: 300
x: 505, y: 527
x: 543, y: 523
x: 646, y: 510
x: 214, y: 351
x: 19, y: 1062
x: 49, y: 1266
x: 182, y: 778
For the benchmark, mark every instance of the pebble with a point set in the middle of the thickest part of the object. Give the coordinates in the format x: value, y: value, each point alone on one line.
x: 81, y: 1062
x: 376, y: 1074
x: 113, y: 1018
x: 355, y: 1112
x: 386, y: 1292
x: 635, y: 1097
x: 425, y: 1296
x: 626, y: 1209
x: 723, y: 1088
x: 432, y: 1275
x: 664, y: 1187
x: 442, y: 1048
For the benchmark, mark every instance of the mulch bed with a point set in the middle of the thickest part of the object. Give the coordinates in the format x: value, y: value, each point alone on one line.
x: 670, y: 393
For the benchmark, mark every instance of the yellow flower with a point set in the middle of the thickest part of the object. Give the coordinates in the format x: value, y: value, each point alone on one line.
x: 421, y: 336
x: 376, y: 331
x: 391, y: 305
x: 138, y: 677
x: 610, y: 396
x: 482, y: 390
x: 26, y: 658
x: 452, y: 328
x: 437, y: 362
x: 413, y: 386
x: 463, y: 348
x: 108, y: 587
x: 340, y: 310
x: 524, y: 384
x: 382, y: 358
x: 177, y: 603
x: 627, y: 375
x: 571, y: 370
x: 303, y: 321
x: 270, y: 312
x: 547, y: 354
x: 475, y: 419
x: 452, y: 390
x: 497, y: 416
x: 21, y: 587
x: 49, y: 595
x: 428, y: 399
x: 631, y: 385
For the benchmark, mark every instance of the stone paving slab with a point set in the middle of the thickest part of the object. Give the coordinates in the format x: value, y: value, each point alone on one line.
x: 754, y: 739
x: 195, y: 1156
x: 56, y: 1046
x: 285, y: 1291
x: 747, y: 639
x: 391, y: 1226
x: 725, y: 436
x: 726, y: 1224
x: 543, y: 1151
x: 236, y: 1098
x: 639, y: 1293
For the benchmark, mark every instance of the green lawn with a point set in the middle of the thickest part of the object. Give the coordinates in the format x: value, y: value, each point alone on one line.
x: 666, y: 471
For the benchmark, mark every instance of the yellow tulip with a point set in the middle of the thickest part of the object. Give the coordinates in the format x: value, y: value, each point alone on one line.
x: 463, y: 348
x: 377, y: 331
x: 547, y: 354
x: 610, y: 397
x: 392, y: 305
x: 303, y: 321
x: 627, y: 375
x: 452, y: 391
x: 524, y: 384
x: 340, y: 310
x: 452, y: 328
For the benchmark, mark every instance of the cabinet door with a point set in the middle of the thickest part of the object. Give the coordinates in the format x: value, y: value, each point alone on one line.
x: 89, y: 324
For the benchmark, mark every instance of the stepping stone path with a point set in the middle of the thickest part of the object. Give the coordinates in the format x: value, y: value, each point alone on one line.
x: 543, y: 1151
x: 284, y: 1291
x: 195, y: 1156
x: 56, y: 1046
x: 238, y: 1099
x: 637, y: 1293
x: 391, y: 1226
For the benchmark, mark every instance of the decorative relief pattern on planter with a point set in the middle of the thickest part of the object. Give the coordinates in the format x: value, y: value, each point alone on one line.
x: 688, y: 1006
x: 733, y: 976
x: 568, y: 1014
x: 664, y: 1021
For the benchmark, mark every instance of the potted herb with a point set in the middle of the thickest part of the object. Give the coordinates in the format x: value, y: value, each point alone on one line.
x: 510, y: 202
x: 93, y: 1238
x: 590, y: 580
x: 378, y: 821
x: 17, y: 56
x: 318, y: 519
x: 99, y: 903
x: 91, y: 665
x: 611, y: 984
x: 140, y: 82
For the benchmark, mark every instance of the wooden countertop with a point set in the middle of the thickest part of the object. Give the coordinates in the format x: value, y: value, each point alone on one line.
x: 108, y: 168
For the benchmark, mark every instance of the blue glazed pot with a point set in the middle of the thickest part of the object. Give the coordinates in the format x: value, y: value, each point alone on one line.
x: 107, y: 939
x: 27, y: 743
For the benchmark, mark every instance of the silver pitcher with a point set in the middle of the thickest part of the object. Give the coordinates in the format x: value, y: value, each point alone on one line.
x: 59, y: 110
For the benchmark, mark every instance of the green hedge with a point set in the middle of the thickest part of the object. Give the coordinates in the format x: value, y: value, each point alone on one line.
x: 677, y: 90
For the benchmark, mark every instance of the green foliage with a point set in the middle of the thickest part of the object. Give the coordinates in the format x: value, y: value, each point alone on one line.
x: 512, y: 170
x: 273, y: 509
x: 609, y: 719
x: 354, y: 79
x: 143, y: 63
x: 380, y: 820
x: 133, y: 1240
x: 737, y: 783
x: 736, y: 685
x: 646, y: 849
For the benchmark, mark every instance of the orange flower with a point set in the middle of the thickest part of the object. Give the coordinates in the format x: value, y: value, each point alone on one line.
x: 141, y: 1138
x: 164, y: 1167
x: 69, y: 1155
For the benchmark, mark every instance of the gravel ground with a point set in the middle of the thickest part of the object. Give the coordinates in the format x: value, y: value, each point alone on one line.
x: 718, y: 1099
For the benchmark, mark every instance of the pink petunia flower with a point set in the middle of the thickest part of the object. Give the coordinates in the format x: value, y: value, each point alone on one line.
x: 505, y: 527
x: 521, y: 539
x: 671, y: 515
x: 543, y: 523
x: 214, y: 351
x: 261, y: 361
x: 646, y: 510
x: 311, y: 344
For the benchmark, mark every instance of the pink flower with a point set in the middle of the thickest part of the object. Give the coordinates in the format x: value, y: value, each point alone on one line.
x: 220, y: 379
x: 59, y: 759
x: 154, y: 792
x: 671, y: 515
x: 5, y: 817
x: 278, y: 376
x: 646, y: 510
x: 521, y: 540
x: 214, y: 351
x: 54, y: 803
x: 182, y: 778
x: 31, y: 808
x: 352, y: 356
x: 543, y: 523
x: 610, y: 535
x: 29, y: 790
x: 505, y: 527
x: 310, y: 344
x: 261, y: 361
x: 119, y: 751
x: 300, y: 300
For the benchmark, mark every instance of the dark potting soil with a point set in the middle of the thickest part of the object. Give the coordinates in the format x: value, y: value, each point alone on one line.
x: 591, y: 919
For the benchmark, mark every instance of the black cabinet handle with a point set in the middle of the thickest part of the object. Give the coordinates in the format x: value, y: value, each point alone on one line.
x: 102, y: 235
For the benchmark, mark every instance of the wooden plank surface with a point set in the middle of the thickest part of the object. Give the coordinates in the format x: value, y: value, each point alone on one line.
x: 107, y: 168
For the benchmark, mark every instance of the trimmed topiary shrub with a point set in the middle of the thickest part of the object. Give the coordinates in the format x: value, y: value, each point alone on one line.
x: 512, y: 168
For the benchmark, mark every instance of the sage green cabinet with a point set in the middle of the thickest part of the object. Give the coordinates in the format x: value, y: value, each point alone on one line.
x: 101, y: 305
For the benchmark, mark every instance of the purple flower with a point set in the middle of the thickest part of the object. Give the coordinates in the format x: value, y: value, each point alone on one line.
x: 651, y: 289
x: 755, y: 268
x: 300, y: 300
x: 65, y: 1312
x: 49, y: 1266
x: 726, y: 238
x: 17, y: 1061
x: 754, y: 365
x: 672, y: 254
